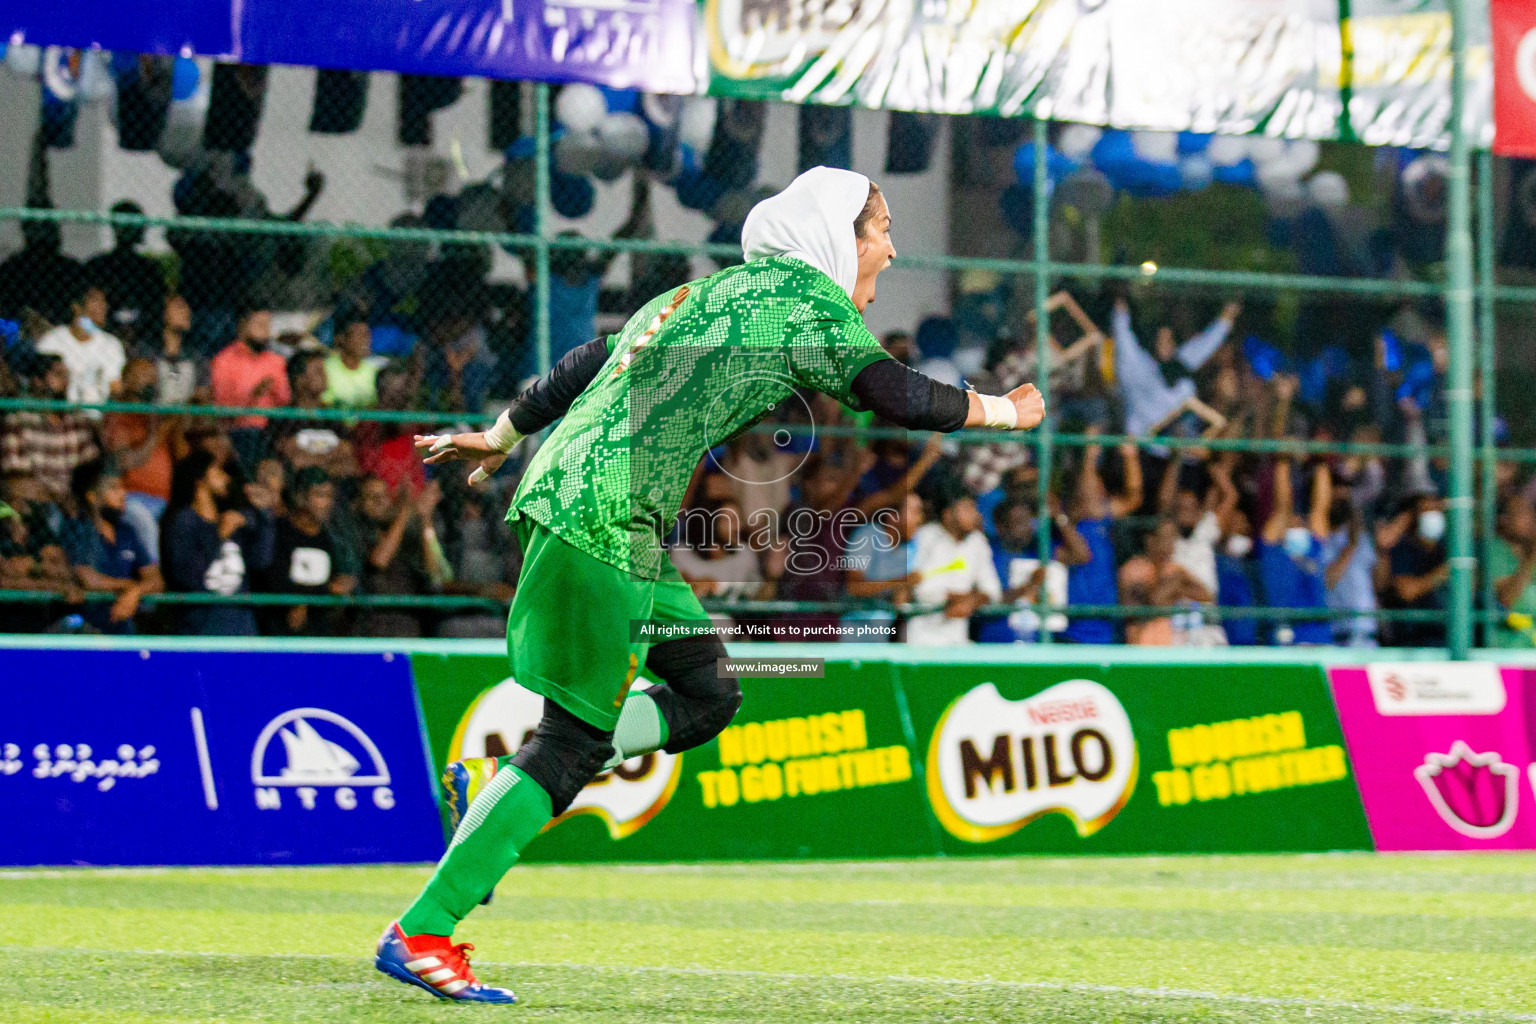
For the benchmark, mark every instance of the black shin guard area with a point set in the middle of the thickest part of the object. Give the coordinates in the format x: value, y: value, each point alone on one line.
x: 564, y: 754
x: 695, y: 702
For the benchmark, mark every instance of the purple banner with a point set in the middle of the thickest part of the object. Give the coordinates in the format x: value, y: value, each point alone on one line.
x: 1443, y: 753
x: 625, y: 44
x: 640, y: 44
x: 141, y: 26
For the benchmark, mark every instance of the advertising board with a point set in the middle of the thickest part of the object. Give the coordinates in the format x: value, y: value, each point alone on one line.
x: 1444, y: 753
x: 174, y: 757
x: 1133, y: 758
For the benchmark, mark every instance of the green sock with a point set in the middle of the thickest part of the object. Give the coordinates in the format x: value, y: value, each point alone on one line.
x: 640, y: 730
x: 502, y: 820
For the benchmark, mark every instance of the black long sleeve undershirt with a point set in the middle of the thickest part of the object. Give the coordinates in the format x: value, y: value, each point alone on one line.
x: 890, y: 389
x: 896, y: 392
x: 548, y: 398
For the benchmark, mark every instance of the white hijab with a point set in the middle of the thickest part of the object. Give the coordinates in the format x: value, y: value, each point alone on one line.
x: 811, y: 220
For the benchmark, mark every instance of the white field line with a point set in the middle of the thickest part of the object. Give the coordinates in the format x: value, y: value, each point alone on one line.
x: 1138, y: 991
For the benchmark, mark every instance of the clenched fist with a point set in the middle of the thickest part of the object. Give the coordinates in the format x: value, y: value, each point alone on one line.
x: 1029, y: 403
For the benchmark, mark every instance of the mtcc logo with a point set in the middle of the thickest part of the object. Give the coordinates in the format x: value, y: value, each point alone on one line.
x: 319, y: 750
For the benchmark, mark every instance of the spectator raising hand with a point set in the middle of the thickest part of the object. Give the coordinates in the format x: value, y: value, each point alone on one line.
x: 1291, y: 556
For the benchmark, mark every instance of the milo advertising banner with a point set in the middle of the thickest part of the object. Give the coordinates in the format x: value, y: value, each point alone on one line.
x: 881, y: 759
x: 1446, y: 752
x: 1133, y: 758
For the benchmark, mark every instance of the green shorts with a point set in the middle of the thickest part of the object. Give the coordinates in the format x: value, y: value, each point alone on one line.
x: 568, y: 635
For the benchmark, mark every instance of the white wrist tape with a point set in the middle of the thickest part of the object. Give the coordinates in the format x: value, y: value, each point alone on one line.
x: 503, y: 436
x: 999, y: 411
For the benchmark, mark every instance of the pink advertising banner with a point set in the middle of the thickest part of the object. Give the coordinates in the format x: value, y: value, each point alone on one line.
x: 1443, y: 753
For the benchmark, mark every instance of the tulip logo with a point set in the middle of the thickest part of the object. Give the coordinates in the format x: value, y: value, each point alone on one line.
x: 995, y: 765
x: 1476, y: 794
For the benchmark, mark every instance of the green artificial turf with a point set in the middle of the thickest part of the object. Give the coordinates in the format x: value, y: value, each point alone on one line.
x: 1328, y: 938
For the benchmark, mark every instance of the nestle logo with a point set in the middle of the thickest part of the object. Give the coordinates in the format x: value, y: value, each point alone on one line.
x: 1062, y: 711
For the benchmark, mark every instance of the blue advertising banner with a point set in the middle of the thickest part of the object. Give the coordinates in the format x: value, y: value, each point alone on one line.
x: 639, y: 44
x: 171, y: 757
x: 204, y: 27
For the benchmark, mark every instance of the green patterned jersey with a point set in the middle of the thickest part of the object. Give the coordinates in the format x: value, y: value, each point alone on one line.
x: 683, y: 376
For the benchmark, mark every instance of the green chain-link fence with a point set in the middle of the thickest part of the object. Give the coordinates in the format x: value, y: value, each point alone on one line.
x: 459, y: 271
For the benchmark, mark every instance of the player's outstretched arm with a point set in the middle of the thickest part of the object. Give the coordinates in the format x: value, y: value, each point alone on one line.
x: 1020, y: 409
x: 903, y: 396
x: 540, y: 404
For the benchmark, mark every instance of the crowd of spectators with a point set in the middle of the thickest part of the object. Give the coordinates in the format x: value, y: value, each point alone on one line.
x: 100, y: 509
x: 1335, y: 546
x: 307, y: 493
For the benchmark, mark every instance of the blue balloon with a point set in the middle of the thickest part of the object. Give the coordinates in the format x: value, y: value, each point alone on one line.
x: 1240, y: 173
x: 626, y: 101
x: 699, y: 191
x: 1057, y: 164
x: 1148, y: 180
x: 525, y: 147
x: 1126, y: 170
x: 1114, y: 155
x: 184, y: 78
x: 726, y: 234
x: 572, y: 195
x: 1193, y: 144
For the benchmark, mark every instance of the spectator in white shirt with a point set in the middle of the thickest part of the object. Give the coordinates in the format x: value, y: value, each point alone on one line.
x: 95, y: 358
x: 955, y: 561
x: 1200, y: 521
x: 1154, y: 384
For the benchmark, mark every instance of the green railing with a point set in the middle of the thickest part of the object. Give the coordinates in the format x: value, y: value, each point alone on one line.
x: 754, y: 608
x: 1469, y: 276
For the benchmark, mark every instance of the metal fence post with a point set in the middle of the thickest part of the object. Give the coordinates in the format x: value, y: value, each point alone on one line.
x: 1044, y: 440
x: 1458, y: 311
x: 541, y: 205
x: 1486, y: 365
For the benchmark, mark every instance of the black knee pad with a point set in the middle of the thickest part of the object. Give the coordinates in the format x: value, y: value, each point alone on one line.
x: 563, y: 755
x: 695, y: 701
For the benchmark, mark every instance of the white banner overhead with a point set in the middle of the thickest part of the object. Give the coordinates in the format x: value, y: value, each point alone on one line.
x: 1288, y: 68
